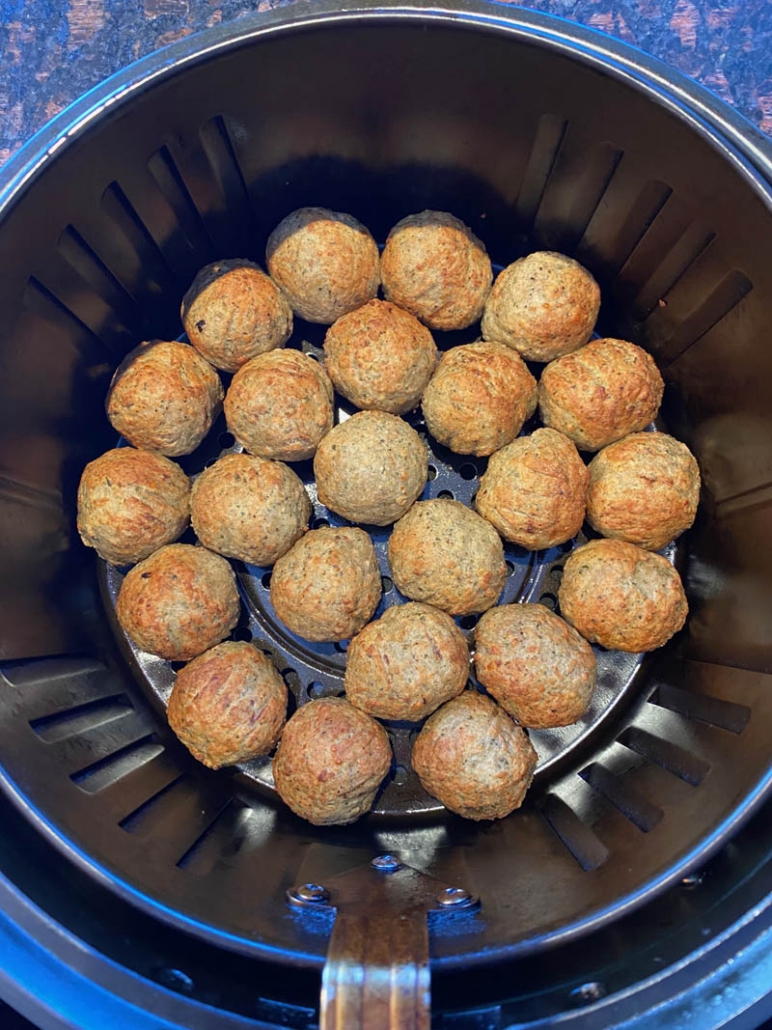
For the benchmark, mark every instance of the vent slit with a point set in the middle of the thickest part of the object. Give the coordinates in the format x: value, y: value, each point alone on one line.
x: 81, y: 718
x: 135, y: 820
x: 546, y: 146
x: 109, y: 770
x: 619, y: 241
x: 149, y: 270
x: 724, y: 715
x: 592, y: 185
x: 226, y: 830
x: 726, y: 296
x: 671, y: 268
x: 84, y: 260
x: 218, y: 147
x: 641, y: 812
x: 38, y: 299
x: 167, y: 177
x: 668, y: 756
x: 578, y: 838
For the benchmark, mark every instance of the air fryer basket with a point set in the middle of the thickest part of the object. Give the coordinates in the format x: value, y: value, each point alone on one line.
x: 383, y: 113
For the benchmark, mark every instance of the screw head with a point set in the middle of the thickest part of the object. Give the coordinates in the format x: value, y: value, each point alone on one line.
x: 455, y: 897
x: 386, y: 863
x: 589, y: 992
x: 308, y: 894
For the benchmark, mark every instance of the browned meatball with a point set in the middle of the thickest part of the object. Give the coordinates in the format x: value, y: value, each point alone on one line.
x: 179, y: 602
x: 407, y: 664
x: 644, y: 489
x: 279, y: 405
x: 600, y: 393
x: 233, y: 311
x: 435, y: 267
x: 622, y: 597
x: 380, y: 357
x: 328, y: 585
x: 474, y: 759
x: 331, y: 761
x: 446, y: 555
x: 544, y: 305
x: 479, y: 398
x: 371, y: 468
x: 534, y: 490
x: 130, y: 503
x: 249, y: 508
x: 164, y: 397
x: 534, y: 664
x: 228, y: 705
x: 325, y: 262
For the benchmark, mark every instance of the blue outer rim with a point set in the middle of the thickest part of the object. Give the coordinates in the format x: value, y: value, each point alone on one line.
x: 737, y: 139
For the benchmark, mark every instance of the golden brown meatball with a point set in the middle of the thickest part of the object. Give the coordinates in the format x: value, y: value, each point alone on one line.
x: 644, y: 489
x: 446, y: 555
x: 130, y: 503
x: 325, y: 262
x: 534, y: 490
x: 407, y: 663
x: 380, y: 357
x: 474, y: 759
x: 249, y: 508
x: 279, y: 405
x: 435, y: 267
x: 228, y: 705
x: 233, y: 311
x: 543, y: 306
x: 479, y: 398
x: 331, y: 761
x: 371, y: 468
x: 534, y: 664
x: 164, y: 397
x: 179, y: 602
x: 622, y: 597
x: 328, y: 585
x: 600, y: 393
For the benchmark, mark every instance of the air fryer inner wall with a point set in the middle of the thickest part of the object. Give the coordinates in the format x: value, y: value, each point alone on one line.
x: 531, y: 149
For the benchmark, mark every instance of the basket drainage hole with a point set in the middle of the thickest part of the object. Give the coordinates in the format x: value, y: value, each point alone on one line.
x: 265, y: 579
x: 315, y: 689
x: 226, y: 439
x: 341, y: 646
x: 388, y: 584
x: 320, y: 523
x: 549, y: 601
x: 445, y: 494
x: 468, y: 621
x: 400, y: 775
x: 468, y: 470
x: 431, y: 473
x: 243, y: 633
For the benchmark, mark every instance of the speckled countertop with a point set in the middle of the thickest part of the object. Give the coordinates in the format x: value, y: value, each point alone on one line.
x: 51, y: 51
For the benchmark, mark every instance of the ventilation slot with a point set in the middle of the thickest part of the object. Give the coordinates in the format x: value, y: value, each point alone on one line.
x: 549, y: 137
x: 585, y: 847
x: 169, y: 181
x: 130, y: 777
x: 724, y: 715
x: 589, y: 184
x: 39, y: 300
x: 612, y: 245
x: 104, y: 773
x: 218, y: 148
x: 225, y: 834
x: 81, y: 718
x: 726, y: 296
x: 630, y: 803
x: 31, y: 672
x: 668, y: 756
x: 671, y: 267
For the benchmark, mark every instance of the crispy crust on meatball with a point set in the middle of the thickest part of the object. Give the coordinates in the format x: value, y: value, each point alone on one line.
x: 326, y: 263
x: 479, y: 398
x: 233, y: 311
x: 380, y: 357
x: 249, y: 508
x: 543, y: 306
x: 179, y: 602
x: 643, y: 489
x: 130, y: 503
x: 474, y: 759
x: 446, y: 555
x: 371, y: 468
x: 407, y: 663
x: 331, y: 761
x: 534, y: 664
x: 435, y: 267
x: 328, y: 585
x: 622, y: 597
x: 534, y: 490
x: 602, y: 392
x: 228, y: 705
x: 279, y: 405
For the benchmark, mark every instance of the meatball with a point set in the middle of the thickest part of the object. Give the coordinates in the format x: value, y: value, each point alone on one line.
x: 643, y: 489
x: 328, y: 585
x: 622, y: 597
x: 130, y: 503
x: 164, y: 397
x: 474, y: 759
x: 249, y: 508
x: 279, y: 405
x: 371, y: 468
x: 435, y: 267
x: 325, y: 262
x: 331, y: 761
x: 446, y: 555
x: 233, y: 311
x: 534, y: 490
x: 535, y: 665
x: 228, y: 705
x: 479, y: 398
x: 407, y: 664
x: 380, y: 357
x: 544, y: 305
x: 601, y: 393
x: 179, y: 602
